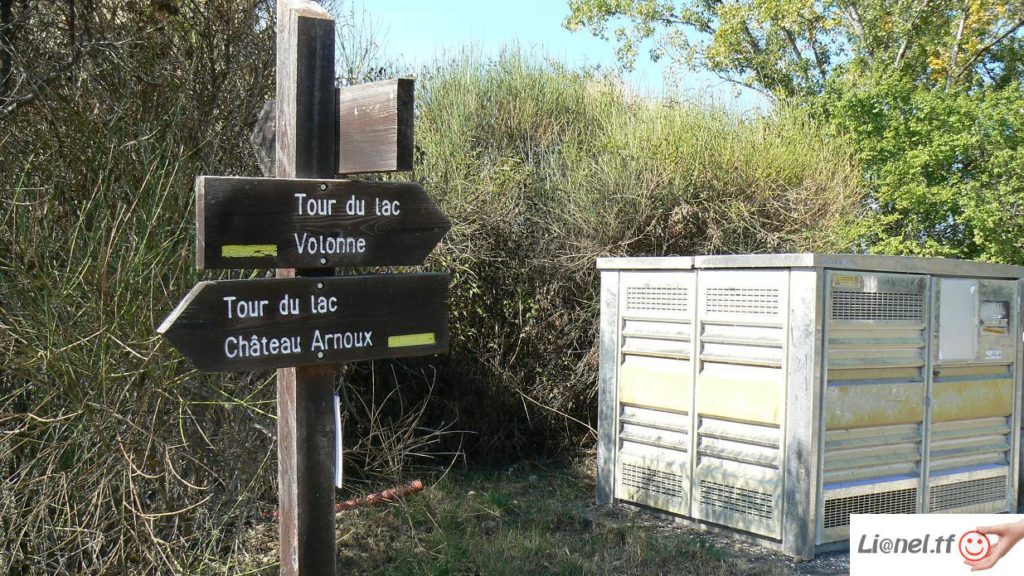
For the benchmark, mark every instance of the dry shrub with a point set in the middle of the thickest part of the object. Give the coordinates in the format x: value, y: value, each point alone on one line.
x: 114, y: 457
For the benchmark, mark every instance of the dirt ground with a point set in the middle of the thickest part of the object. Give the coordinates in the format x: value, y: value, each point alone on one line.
x: 827, y: 564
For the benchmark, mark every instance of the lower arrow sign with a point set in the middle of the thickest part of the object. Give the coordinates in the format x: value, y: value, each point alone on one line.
x: 282, y: 322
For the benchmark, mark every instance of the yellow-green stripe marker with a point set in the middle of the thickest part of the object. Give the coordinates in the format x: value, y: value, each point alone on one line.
x: 406, y: 340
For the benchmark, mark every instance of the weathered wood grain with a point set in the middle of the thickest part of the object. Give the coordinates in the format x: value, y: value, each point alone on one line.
x: 277, y: 222
x: 375, y: 125
x: 262, y: 139
x: 304, y: 148
x: 305, y: 90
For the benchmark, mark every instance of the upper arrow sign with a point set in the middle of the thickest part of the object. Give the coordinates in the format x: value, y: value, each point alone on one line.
x: 291, y: 223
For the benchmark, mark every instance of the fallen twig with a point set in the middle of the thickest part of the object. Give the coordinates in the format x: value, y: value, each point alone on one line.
x: 389, y: 495
x: 382, y: 497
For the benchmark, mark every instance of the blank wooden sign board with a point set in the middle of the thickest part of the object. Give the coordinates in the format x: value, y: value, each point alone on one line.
x: 304, y: 223
x: 374, y: 126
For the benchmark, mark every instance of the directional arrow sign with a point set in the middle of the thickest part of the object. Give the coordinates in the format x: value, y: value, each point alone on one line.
x: 292, y: 223
x: 281, y: 322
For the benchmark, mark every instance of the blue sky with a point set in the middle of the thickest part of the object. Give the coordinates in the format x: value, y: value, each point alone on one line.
x: 418, y: 32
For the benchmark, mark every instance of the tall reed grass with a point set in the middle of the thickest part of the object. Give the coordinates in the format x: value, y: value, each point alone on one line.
x: 543, y: 169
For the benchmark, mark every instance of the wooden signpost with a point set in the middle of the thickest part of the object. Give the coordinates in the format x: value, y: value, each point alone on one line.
x: 279, y: 223
x: 305, y: 223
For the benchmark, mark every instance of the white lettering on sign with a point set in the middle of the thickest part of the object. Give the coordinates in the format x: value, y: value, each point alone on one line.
x: 255, y: 346
x: 340, y: 340
x: 288, y: 306
x: 323, y: 304
x: 245, y: 308
x: 314, y: 206
x: 387, y: 207
x: 321, y: 244
x: 355, y: 207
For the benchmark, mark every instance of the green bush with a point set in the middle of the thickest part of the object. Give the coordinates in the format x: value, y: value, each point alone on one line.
x: 945, y: 168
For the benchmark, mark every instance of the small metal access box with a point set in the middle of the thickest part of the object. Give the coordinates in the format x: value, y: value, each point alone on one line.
x: 775, y: 395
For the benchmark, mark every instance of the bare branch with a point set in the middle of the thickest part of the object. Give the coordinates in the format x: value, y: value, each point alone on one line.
x: 36, y: 87
x: 759, y: 89
x: 955, y: 50
x: 816, y: 51
x: 800, y: 58
x: 988, y: 47
x: 6, y: 39
x: 853, y: 14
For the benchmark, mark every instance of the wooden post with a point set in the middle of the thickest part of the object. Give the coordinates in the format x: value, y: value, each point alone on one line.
x: 309, y: 119
x: 305, y: 419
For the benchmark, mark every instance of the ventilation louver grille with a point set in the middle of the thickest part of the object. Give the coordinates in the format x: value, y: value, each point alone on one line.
x: 652, y: 480
x: 968, y: 493
x: 747, y: 301
x: 838, y: 510
x: 899, y: 306
x: 735, y: 499
x: 655, y: 299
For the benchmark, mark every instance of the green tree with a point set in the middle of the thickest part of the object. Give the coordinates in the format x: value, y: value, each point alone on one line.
x: 787, y: 48
x: 945, y: 167
x: 928, y: 91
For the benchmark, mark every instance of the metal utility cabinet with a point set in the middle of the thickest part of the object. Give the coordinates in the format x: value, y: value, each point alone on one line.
x: 778, y: 394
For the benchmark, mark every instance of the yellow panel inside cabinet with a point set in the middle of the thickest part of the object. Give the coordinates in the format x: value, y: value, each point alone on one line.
x: 961, y: 400
x: 874, y: 405
x: 661, y: 383
x: 750, y: 393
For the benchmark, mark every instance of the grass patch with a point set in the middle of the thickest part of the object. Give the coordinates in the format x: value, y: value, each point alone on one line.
x: 515, y: 521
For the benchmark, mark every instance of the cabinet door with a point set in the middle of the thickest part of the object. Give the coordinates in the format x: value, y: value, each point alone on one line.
x: 874, y: 400
x: 741, y: 398
x: 972, y: 395
x: 655, y: 390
